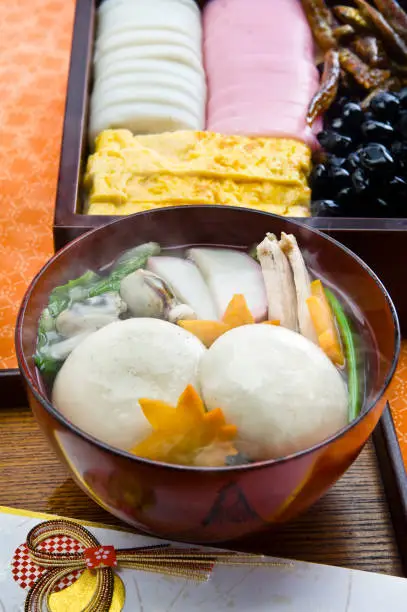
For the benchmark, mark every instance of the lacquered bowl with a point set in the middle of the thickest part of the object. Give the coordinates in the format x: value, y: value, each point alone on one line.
x: 212, y: 504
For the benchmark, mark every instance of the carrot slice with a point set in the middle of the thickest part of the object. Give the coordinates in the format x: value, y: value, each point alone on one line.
x: 206, y: 331
x: 237, y: 312
x: 190, y: 408
x: 329, y: 345
x: 317, y: 289
x: 153, y: 446
x: 181, y: 432
x: 324, y: 323
x: 321, y: 317
x: 159, y: 414
x: 227, y: 433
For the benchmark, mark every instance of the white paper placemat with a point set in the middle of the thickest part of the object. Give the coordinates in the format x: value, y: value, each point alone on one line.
x: 294, y: 587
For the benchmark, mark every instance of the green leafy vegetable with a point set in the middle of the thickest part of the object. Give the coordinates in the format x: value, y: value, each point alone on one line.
x: 91, y: 284
x: 350, y: 353
x: 46, y: 363
x: 80, y: 289
x: 129, y: 262
x: 43, y: 360
x: 253, y: 253
x: 75, y: 290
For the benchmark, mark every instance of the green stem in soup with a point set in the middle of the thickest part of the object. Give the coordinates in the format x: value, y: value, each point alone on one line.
x: 350, y: 353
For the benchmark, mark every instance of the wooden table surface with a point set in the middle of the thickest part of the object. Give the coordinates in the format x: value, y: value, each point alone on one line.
x: 349, y: 527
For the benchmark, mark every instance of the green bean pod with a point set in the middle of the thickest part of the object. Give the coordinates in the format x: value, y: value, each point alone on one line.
x: 350, y: 353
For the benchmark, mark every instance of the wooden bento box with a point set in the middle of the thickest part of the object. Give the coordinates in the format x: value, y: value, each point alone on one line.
x: 382, y: 243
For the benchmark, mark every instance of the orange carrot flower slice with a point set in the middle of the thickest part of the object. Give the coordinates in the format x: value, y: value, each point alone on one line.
x: 181, y: 433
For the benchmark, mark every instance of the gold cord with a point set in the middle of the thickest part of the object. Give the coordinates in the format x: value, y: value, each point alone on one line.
x: 188, y: 563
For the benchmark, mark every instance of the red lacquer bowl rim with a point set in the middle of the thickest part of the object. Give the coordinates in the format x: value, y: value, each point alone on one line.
x: 43, y: 400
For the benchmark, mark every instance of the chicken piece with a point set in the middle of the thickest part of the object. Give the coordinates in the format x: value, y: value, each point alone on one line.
x: 289, y: 245
x: 279, y: 282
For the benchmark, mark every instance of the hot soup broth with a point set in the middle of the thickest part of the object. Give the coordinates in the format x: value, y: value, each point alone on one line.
x: 205, y: 356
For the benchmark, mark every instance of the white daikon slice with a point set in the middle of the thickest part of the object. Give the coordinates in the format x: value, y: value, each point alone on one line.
x: 228, y: 272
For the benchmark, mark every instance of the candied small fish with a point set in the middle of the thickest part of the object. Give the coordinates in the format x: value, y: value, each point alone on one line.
x: 390, y: 37
x: 371, y: 50
x: 320, y: 20
x: 363, y: 74
x: 395, y: 15
x: 351, y: 16
x: 328, y: 89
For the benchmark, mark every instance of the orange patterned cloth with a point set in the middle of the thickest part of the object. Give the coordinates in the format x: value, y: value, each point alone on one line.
x: 35, y: 41
x: 397, y: 396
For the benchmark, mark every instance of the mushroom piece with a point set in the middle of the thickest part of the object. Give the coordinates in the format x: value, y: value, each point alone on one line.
x: 279, y: 283
x: 289, y: 246
x: 280, y: 390
x: 99, y: 385
x: 90, y: 315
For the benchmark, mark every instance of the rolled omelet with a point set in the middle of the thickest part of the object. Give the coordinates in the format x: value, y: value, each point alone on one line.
x: 205, y: 154
x: 128, y: 174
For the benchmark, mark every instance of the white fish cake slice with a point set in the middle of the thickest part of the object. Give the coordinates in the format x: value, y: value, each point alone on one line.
x: 162, y: 51
x: 144, y: 80
x: 180, y: 19
x: 149, y: 94
x: 159, y: 53
x: 140, y: 67
x: 153, y: 35
x: 142, y: 118
x: 191, y: 29
x: 109, y: 6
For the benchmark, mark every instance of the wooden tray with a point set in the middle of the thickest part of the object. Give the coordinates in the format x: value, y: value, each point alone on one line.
x: 394, y: 476
x: 390, y: 440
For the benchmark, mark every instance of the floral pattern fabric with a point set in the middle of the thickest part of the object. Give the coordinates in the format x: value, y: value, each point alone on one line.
x: 35, y: 43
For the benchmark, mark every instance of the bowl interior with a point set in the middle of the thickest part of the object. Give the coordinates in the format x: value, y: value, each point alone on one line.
x: 364, y: 296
